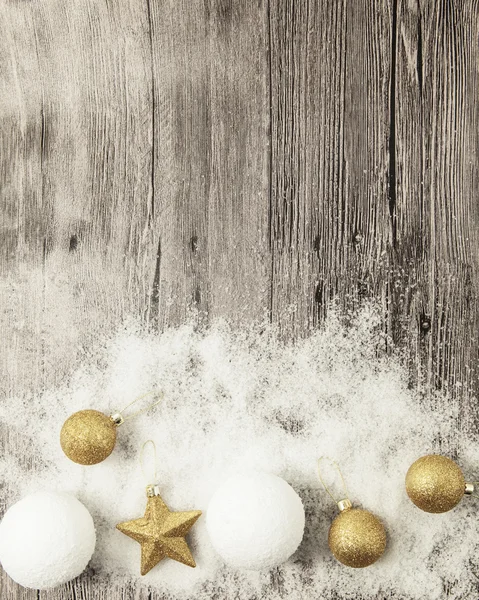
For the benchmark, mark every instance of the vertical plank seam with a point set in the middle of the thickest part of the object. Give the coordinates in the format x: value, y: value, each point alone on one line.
x: 420, y: 79
x: 392, y: 177
x: 42, y: 116
x: 153, y: 109
x: 42, y: 149
x: 270, y: 165
x: 433, y: 299
x: 155, y: 292
x: 419, y: 58
x: 42, y: 195
x: 341, y: 140
x: 44, y: 311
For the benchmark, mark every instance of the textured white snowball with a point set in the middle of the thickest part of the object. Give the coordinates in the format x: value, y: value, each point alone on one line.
x: 255, y: 521
x: 46, y: 539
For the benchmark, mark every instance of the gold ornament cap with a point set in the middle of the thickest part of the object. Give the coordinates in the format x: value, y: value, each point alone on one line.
x: 357, y: 538
x: 345, y: 504
x: 88, y: 437
x: 152, y: 490
x: 469, y: 489
x: 436, y: 484
x: 117, y: 418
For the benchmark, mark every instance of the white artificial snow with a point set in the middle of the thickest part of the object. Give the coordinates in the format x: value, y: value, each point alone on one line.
x: 242, y: 400
x: 46, y: 539
x: 255, y: 521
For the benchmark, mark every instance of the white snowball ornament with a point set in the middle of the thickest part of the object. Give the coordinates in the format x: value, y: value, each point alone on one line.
x: 255, y: 521
x: 46, y: 539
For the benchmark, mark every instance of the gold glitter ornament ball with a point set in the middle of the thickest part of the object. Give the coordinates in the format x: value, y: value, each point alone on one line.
x: 88, y: 437
x: 435, y: 483
x: 357, y: 538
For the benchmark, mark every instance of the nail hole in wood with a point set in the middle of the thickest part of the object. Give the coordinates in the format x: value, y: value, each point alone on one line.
x: 358, y: 238
x: 425, y: 323
x: 73, y: 243
x: 194, y: 243
x: 363, y: 289
x: 319, y: 293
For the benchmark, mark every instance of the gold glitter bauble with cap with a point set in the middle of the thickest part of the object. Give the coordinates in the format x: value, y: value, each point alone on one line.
x: 88, y: 437
x: 357, y: 538
x: 435, y: 483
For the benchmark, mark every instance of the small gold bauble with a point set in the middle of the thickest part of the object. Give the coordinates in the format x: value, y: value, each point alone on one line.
x: 357, y: 538
x: 88, y: 437
x: 435, y: 483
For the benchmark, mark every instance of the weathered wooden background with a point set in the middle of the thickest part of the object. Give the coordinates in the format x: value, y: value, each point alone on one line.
x: 243, y: 158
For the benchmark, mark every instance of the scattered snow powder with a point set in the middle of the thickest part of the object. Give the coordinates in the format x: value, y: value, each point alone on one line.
x: 236, y: 400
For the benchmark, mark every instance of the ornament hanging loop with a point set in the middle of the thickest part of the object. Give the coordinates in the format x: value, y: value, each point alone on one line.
x: 148, y: 479
x: 343, y: 503
x: 118, y: 417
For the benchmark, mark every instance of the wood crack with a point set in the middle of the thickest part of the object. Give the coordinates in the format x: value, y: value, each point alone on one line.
x: 151, y: 214
x: 419, y: 49
x: 155, y: 293
x: 392, y: 177
x: 270, y: 163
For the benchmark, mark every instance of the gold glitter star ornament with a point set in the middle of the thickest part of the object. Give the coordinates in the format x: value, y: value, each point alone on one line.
x: 161, y: 532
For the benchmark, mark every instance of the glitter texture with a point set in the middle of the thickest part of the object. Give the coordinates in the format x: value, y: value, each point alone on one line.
x: 241, y: 399
x: 435, y: 483
x: 161, y: 534
x: 88, y: 437
x: 357, y: 538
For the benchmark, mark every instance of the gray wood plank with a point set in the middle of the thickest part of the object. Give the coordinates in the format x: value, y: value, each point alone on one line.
x: 78, y: 98
x: 211, y: 169
x: 330, y: 126
x: 137, y: 182
x: 437, y: 253
x: 23, y: 222
x: 76, y: 154
x: 21, y: 201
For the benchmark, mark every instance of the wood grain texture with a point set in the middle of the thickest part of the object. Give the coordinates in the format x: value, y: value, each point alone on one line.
x: 437, y: 251
x: 197, y: 159
x: 330, y: 125
x: 211, y: 202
